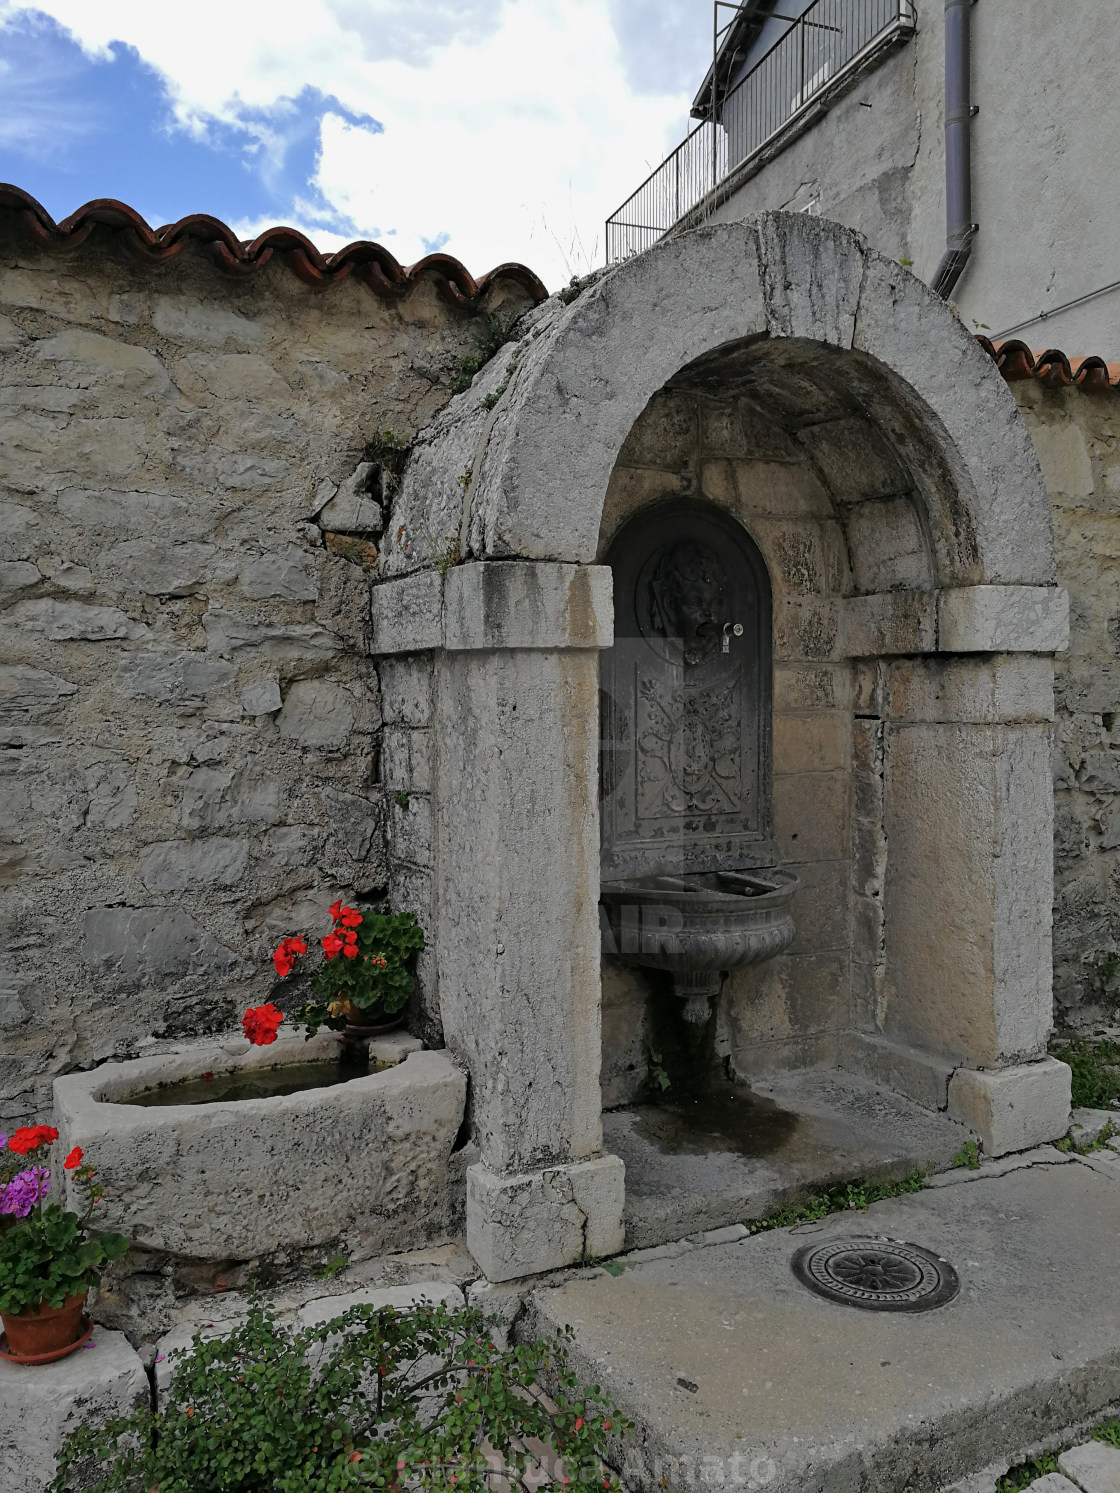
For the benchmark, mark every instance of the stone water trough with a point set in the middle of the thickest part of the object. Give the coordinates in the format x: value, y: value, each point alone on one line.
x: 366, y: 1161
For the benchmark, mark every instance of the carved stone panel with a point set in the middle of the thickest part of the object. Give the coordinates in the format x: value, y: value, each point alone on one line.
x: 686, y: 696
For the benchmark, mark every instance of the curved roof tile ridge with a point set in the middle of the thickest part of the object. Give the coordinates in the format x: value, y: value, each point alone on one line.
x: 1015, y: 360
x: 371, y: 263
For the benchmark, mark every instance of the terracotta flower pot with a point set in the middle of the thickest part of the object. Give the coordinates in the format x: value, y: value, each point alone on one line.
x: 49, y: 1329
x: 354, y: 1030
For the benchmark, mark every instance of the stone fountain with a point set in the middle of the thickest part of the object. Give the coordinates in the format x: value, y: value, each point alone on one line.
x: 689, y: 883
x: 698, y: 927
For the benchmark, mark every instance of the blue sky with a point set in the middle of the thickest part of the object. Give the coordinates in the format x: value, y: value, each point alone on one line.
x: 74, y: 126
x: 497, y: 129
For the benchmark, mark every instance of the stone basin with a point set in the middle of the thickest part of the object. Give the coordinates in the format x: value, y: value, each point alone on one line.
x: 365, y: 1163
x: 699, y: 926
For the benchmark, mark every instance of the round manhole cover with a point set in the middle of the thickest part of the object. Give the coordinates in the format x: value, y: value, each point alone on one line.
x: 880, y: 1275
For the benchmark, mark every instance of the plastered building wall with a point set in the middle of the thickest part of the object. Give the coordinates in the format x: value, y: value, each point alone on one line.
x: 1042, y: 166
x: 190, y: 722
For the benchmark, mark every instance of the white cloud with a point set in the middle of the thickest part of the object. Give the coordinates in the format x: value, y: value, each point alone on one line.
x: 512, y: 126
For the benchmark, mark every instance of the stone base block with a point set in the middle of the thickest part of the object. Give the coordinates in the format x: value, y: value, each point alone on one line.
x: 39, y: 1407
x: 544, y: 1220
x: 1013, y: 1109
x: 919, y: 1076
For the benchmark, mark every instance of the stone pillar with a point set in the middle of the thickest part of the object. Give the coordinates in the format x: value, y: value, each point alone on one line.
x: 516, y: 862
x: 957, y: 1002
x: 968, y: 826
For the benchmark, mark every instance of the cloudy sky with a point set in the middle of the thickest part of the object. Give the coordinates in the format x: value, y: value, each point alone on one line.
x: 492, y: 129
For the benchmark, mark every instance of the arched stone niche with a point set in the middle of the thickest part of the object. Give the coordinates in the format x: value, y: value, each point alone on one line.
x: 821, y: 396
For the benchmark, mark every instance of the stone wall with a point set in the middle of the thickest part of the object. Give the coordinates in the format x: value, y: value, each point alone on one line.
x: 1077, y: 437
x: 190, y: 719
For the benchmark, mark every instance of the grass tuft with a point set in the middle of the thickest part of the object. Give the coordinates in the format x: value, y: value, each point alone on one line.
x: 1096, y: 1071
x: 1018, y: 1478
x: 849, y: 1196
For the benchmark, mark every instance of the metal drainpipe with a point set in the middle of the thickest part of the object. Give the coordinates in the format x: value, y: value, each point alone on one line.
x: 960, y: 229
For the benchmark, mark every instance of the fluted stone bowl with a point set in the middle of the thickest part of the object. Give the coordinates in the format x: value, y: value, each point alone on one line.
x: 699, y: 926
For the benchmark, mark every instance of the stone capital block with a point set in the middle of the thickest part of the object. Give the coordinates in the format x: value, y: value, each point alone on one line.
x: 39, y: 1407
x: 406, y: 614
x: 963, y: 619
x: 494, y: 604
x: 1013, y: 1109
x: 544, y: 1220
x: 888, y: 623
x: 1094, y: 1467
x: 519, y: 604
x: 1003, y: 619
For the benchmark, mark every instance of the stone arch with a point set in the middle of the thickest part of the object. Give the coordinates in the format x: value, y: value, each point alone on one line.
x: 715, y: 302
x: 942, y: 610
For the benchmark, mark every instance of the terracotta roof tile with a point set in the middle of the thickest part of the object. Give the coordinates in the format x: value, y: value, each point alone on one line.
x: 371, y: 263
x: 1053, y: 368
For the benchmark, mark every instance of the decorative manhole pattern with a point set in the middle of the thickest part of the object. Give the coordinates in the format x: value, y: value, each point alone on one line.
x: 879, y: 1275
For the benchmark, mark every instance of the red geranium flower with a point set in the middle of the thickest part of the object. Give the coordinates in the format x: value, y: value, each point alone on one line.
x: 350, y: 951
x: 351, y: 918
x: 260, y: 1024
x: 74, y: 1159
x: 335, y: 910
x: 285, y: 956
x: 332, y: 945
x: 30, y: 1137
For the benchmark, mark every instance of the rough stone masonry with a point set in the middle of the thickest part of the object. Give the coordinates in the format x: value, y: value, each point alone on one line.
x: 190, y: 721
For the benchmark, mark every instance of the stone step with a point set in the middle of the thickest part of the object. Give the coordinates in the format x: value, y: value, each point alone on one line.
x: 737, y: 1376
x: 1094, y: 1468
x: 741, y: 1153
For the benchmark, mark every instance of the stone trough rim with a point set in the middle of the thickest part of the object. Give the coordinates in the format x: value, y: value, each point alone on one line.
x: 103, y: 1087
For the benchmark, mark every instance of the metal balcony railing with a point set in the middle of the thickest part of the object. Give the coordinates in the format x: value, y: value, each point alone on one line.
x: 832, y: 37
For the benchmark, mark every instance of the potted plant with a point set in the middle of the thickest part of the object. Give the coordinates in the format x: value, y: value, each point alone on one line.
x: 48, y: 1257
x: 363, y: 983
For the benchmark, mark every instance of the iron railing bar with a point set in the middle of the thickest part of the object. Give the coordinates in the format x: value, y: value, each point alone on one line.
x: 795, y: 114
x: 762, y: 104
x: 771, y: 50
x: 664, y: 163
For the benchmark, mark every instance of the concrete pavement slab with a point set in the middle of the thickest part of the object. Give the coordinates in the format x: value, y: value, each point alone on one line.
x: 739, y: 1377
